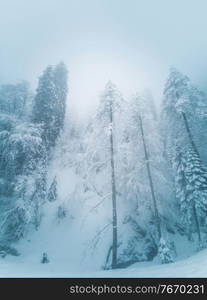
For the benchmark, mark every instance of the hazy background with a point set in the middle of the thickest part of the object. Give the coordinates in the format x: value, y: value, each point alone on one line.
x: 131, y: 42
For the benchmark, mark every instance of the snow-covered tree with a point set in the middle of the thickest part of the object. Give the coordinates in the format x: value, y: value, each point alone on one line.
x: 61, y: 90
x: 23, y: 162
x: 109, y: 99
x: 182, y: 105
x: 96, y: 164
x: 50, y: 102
x: 16, y: 99
x: 184, y: 109
x: 191, y: 191
x: 137, y: 237
x: 147, y: 182
x: 24, y: 150
x: 105, y: 123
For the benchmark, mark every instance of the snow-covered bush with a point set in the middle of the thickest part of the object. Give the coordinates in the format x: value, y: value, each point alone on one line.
x: 164, y: 252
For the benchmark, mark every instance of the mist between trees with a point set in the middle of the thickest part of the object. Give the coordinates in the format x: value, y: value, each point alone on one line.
x: 141, y: 174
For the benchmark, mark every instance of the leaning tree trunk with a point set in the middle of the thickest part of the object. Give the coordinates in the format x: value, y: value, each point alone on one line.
x: 193, y: 145
x: 150, y: 180
x: 113, y: 188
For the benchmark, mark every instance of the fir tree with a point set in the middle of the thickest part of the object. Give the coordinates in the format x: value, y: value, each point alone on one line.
x: 181, y: 107
x: 182, y: 115
x: 108, y: 99
x: 196, y: 189
x: 191, y: 189
x: 50, y: 102
x: 16, y: 99
x: 23, y: 160
x: 61, y: 90
x: 100, y: 162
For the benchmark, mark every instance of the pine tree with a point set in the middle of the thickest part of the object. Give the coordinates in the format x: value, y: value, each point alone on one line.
x: 182, y: 104
x: 23, y: 161
x: 182, y: 116
x: 196, y: 187
x: 61, y: 90
x: 16, y: 99
x: 191, y: 191
x: 50, y: 102
x: 163, y: 251
x: 197, y: 179
x: 143, y: 191
x: 98, y: 169
x: 108, y: 101
x: 156, y: 213
x: 145, y: 128
x: 44, y: 105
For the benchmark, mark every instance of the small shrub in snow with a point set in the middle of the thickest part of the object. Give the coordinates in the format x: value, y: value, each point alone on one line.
x: 164, y: 252
x: 45, y: 259
x: 61, y: 212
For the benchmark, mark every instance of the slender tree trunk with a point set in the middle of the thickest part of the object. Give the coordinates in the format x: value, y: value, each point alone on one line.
x: 150, y: 180
x: 197, y: 223
x: 190, y: 134
x: 193, y: 145
x: 113, y: 187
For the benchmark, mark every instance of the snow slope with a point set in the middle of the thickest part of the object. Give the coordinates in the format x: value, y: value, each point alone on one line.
x: 68, y: 240
x: 66, y: 243
x: 194, y: 266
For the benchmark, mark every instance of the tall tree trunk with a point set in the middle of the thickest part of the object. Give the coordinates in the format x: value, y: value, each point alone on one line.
x: 113, y: 188
x: 150, y: 179
x: 193, y: 145
x: 197, y: 223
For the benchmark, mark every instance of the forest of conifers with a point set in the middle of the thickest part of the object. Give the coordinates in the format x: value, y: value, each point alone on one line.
x: 140, y: 170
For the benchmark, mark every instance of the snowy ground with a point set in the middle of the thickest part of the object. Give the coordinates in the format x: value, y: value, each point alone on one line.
x: 65, y: 240
x: 194, y: 266
x: 67, y: 258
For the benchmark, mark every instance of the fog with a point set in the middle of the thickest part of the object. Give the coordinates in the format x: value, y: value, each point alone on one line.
x: 131, y: 42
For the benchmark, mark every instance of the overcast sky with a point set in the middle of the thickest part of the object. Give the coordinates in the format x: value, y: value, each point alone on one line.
x: 131, y: 42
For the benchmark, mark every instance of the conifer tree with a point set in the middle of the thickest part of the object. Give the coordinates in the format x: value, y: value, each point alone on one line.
x: 182, y: 104
x: 16, y: 99
x: 50, y: 102
x: 101, y: 158
x: 61, y: 90
x: 108, y: 101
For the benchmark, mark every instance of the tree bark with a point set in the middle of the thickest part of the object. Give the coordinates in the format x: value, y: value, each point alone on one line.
x: 113, y: 188
x: 150, y: 179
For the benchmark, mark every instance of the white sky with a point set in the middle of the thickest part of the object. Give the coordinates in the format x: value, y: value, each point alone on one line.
x: 131, y: 42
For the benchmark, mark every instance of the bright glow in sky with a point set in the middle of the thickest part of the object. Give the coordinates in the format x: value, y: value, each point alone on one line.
x: 130, y: 42
x: 91, y: 72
